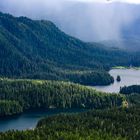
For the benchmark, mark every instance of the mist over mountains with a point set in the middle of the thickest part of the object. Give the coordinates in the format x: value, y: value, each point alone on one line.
x: 86, y: 21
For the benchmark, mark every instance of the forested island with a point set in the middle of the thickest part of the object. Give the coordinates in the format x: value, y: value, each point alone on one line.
x: 118, y: 78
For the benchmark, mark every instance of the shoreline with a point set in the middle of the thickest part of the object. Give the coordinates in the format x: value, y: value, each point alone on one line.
x: 125, y: 67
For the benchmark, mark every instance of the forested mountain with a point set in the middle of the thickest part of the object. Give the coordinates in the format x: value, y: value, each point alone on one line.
x: 17, y: 96
x: 38, y: 49
x: 111, y: 124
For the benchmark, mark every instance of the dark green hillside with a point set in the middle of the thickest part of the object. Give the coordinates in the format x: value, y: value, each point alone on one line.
x: 130, y: 89
x: 132, y: 94
x: 28, y: 94
x: 112, y: 124
x: 8, y: 108
x: 38, y: 49
x: 133, y: 99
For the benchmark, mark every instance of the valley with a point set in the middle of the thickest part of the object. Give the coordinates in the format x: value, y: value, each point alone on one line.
x: 54, y: 86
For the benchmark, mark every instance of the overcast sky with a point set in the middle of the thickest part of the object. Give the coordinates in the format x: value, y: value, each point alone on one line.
x: 125, y: 1
x: 89, y: 20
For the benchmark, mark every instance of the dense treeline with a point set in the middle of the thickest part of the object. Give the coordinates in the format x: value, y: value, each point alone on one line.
x: 39, y: 50
x: 130, y: 89
x: 109, y: 124
x: 133, y: 100
x: 132, y: 94
x: 9, y: 108
x: 82, y: 77
x: 52, y: 94
x: 90, y: 78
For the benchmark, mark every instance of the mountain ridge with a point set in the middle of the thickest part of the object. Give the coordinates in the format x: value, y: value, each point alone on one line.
x: 38, y: 49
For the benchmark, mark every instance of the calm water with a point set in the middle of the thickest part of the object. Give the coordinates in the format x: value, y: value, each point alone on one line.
x: 29, y: 119
x: 128, y: 77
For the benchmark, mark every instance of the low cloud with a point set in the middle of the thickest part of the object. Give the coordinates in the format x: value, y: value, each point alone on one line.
x: 87, y: 21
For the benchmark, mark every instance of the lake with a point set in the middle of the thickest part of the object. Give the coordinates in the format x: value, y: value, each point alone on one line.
x: 128, y: 77
x: 29, y: 119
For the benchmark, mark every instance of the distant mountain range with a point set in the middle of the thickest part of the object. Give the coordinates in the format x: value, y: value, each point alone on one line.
x: 38, y: 49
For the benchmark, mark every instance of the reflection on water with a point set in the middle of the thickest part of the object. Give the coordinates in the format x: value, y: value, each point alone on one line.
x: 128, y: 77
x: 29, y: 119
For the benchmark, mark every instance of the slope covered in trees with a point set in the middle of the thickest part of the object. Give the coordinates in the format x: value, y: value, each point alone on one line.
x: 132, y: 94
x: 39, y: 50
x: 133, y: 100
x: 130, y: 89
x: 9, y: 108
x: 28, y: 94
x: 112, y: 124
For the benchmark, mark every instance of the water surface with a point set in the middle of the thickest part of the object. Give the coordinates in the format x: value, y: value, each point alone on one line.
x: 128, y: 77
x: 29, y: 119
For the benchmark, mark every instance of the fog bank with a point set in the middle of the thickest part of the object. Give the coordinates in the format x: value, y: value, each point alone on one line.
x: 85, y: 20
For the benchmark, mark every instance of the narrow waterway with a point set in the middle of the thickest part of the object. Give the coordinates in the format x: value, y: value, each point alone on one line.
x: 128, y: 77
x: 29, y: 119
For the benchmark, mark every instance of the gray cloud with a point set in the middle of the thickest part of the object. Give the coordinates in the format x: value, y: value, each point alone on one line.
x: 87, y: 21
